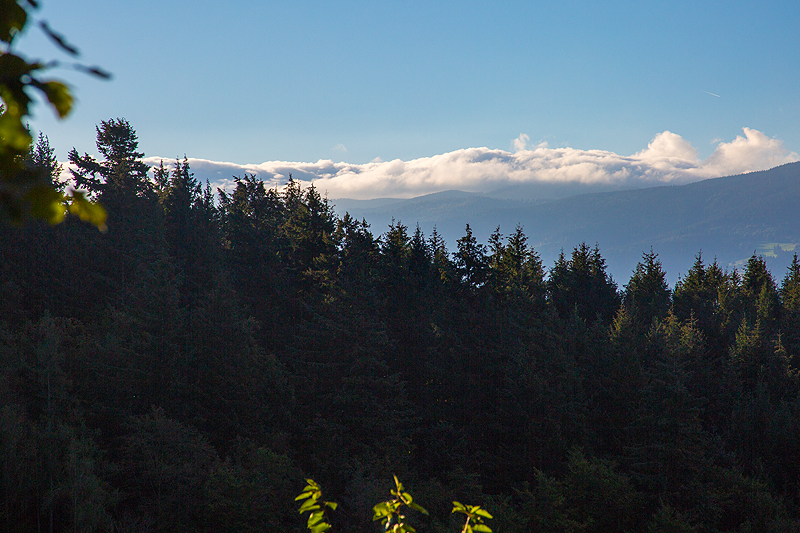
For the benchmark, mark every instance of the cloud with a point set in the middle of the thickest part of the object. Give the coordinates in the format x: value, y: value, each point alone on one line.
x: 521, y: 142
x: 668, y: 159
x: 671, y: 147
x: 753, y: 150
x: 340, y: 148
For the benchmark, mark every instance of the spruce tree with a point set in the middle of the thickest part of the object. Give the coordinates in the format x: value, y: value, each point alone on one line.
x: 42, y: 158
x: 470, y: 260
x: 581, y: 284
x: 647, y: 294
x: 121, y: 173
x: 790, y: 312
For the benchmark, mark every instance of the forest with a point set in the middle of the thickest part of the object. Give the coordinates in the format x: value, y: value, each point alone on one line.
x: 188, y: 367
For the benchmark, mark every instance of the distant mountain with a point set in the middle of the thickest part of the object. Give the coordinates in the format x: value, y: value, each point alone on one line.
x: 728, y: 218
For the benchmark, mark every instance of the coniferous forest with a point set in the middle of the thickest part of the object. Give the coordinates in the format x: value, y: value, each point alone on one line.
x: 186, y: 369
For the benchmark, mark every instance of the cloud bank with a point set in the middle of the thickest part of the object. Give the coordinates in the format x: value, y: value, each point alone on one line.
x: 668, y: 159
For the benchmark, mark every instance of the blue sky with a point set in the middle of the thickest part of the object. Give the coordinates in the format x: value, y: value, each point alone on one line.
x: 252, y: 82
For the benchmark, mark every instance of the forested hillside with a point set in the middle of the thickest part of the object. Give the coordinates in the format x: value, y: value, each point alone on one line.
x: 186, y: 369
x: 728, y: 218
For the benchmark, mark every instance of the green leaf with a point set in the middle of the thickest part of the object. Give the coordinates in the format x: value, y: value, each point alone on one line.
x: 483, y: 513
x: 58, y: 95
x: 418, y: 508
x: 381, y: 510
x: 90, y: 212
x: 320, y: 528
x: 315, y: 518
x: 13, y: 132
x: 482, y: 527
x: 309, y: 505
x: 12, y: 19
x: 46, y: 203
x: 459, y: 507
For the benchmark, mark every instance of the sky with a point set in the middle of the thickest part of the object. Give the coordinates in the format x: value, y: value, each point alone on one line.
x: 404, y: 98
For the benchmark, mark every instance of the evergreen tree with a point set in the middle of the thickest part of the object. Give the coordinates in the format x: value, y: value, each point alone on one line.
x: 121, y: 173
x: 168, y: 465
x: 470, y: 260
x: 790, y: 312
x: 647, y: 294
x: 358, y: 257
x: 444, y: 270
x: 161, y: 179
x: 760, y: 296
x: 396, y: 252
x: 582, y: 284
x: 420, y: 259
x: 666, y: 446
x: 712, y: 297
x: 190, y: 230
x: 42, y: 159
x: 308, y: 230
x: 121, y: 184
x: 253, y: 247
x: 515, y: 268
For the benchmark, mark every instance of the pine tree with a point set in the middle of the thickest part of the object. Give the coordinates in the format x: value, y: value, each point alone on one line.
x: 523, y: 267
x: 121, y: 184
x: 253, y: 249
x: 470, y: 260
x: 122, y: 173
x: 42, y: 158
x: 710, y: 296
x: 582, y: 284
x: 420, y: 259
x: 396, y: 251
x: 358, y: 256
x: 189, y: 230
x: 790, y: 312
x: 647, y: 294
x: 443, y: 267
x: 760, y: 296
x: 308, y: 230
x: 666, y: 447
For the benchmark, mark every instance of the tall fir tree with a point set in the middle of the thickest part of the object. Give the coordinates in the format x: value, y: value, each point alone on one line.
x: 647, y: 295
x: 582, y: 284
x: 790, y: 312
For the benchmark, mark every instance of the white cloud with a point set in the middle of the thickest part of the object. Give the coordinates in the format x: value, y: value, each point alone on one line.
x: 753, y: 150
x: 670, y: 147
x: 340, y: 148
x: 668, y: 158
x: 521, y: 142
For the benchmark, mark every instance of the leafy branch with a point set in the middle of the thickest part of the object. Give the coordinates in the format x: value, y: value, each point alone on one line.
x: 24, y: 192
x: 312, y: 494
x: 389, y: 512
x: 475, y: 515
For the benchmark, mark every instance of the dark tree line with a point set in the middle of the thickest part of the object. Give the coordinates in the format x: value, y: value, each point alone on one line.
x: 184, y: 370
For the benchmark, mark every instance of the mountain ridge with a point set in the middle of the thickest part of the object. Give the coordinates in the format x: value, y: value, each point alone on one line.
x: 728, y: 217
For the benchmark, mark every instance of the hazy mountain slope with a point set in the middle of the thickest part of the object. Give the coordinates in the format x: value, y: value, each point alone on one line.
x: 728, y: 218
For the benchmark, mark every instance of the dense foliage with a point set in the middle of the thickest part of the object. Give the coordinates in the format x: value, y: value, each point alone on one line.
x: 186, y: 369
x: 27, y: 191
